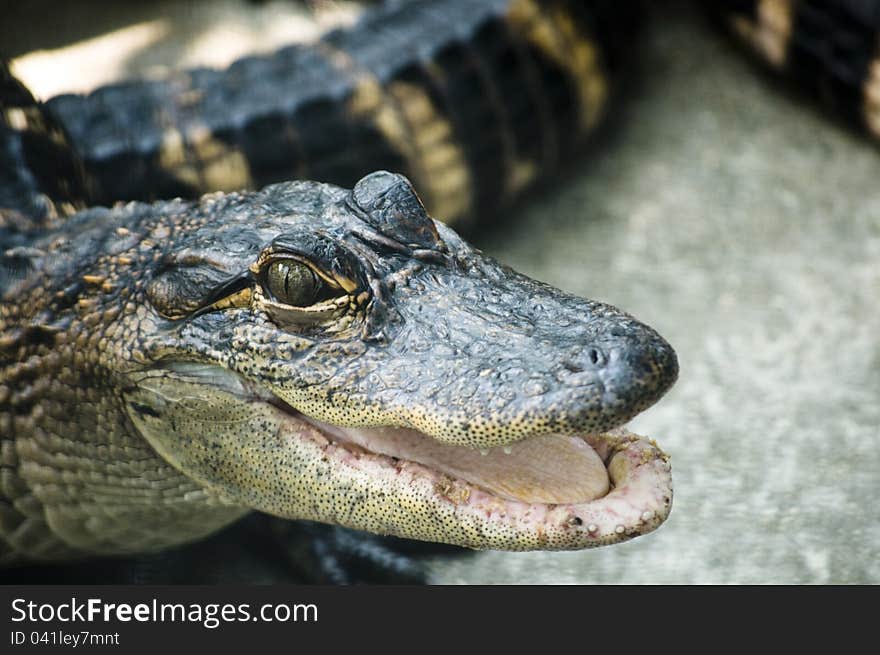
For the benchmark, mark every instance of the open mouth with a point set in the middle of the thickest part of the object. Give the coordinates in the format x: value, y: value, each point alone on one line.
x: 544, y: 492
x: 548, y: 492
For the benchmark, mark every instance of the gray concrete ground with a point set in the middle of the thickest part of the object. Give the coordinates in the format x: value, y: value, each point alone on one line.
x: 744, y: 226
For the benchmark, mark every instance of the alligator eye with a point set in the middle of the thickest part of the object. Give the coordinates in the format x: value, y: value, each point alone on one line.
x: 293, y: 283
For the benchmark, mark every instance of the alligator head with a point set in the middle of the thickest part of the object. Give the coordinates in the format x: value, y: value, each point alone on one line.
x: 339, y: 356
x: 325, y: 354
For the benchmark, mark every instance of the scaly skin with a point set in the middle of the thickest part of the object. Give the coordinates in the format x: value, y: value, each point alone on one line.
x: 474, y: 100
x: 154, y: 385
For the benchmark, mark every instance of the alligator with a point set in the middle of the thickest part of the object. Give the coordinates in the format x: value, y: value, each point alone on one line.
x: 310, y: 350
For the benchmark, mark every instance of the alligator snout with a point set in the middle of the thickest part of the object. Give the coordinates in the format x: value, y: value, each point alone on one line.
x: 637, y: 370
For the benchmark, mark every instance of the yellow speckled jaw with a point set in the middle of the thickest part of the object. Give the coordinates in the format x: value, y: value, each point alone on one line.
x: 253, y: 451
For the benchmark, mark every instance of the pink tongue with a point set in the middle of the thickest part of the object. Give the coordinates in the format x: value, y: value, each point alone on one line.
x: 548, y: 469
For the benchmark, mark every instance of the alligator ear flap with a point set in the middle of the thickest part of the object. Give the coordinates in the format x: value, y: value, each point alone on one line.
x: 394, y: 209
x: 179, y: 293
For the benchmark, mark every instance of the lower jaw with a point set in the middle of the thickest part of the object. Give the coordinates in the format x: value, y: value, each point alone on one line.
x: 387, y: 495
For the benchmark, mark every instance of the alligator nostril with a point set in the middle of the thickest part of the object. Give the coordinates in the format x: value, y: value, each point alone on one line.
x: 582, y: 360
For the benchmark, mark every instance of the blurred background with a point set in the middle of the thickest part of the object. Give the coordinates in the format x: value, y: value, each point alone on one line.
x: 733, y: 216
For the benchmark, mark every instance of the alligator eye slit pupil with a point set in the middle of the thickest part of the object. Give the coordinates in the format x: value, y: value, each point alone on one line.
x: 295, y: 283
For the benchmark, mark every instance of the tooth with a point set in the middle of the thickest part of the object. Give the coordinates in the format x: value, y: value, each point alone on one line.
x: 484, y: 451
x: 507, y: 450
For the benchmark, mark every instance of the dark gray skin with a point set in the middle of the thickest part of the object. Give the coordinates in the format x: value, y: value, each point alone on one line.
x: 213, y: 348
x: 435, y: 314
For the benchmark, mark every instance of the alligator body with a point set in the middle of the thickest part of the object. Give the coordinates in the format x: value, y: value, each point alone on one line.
x: 472, y: 100
x: 306, y: 350
x: 827, y: 49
